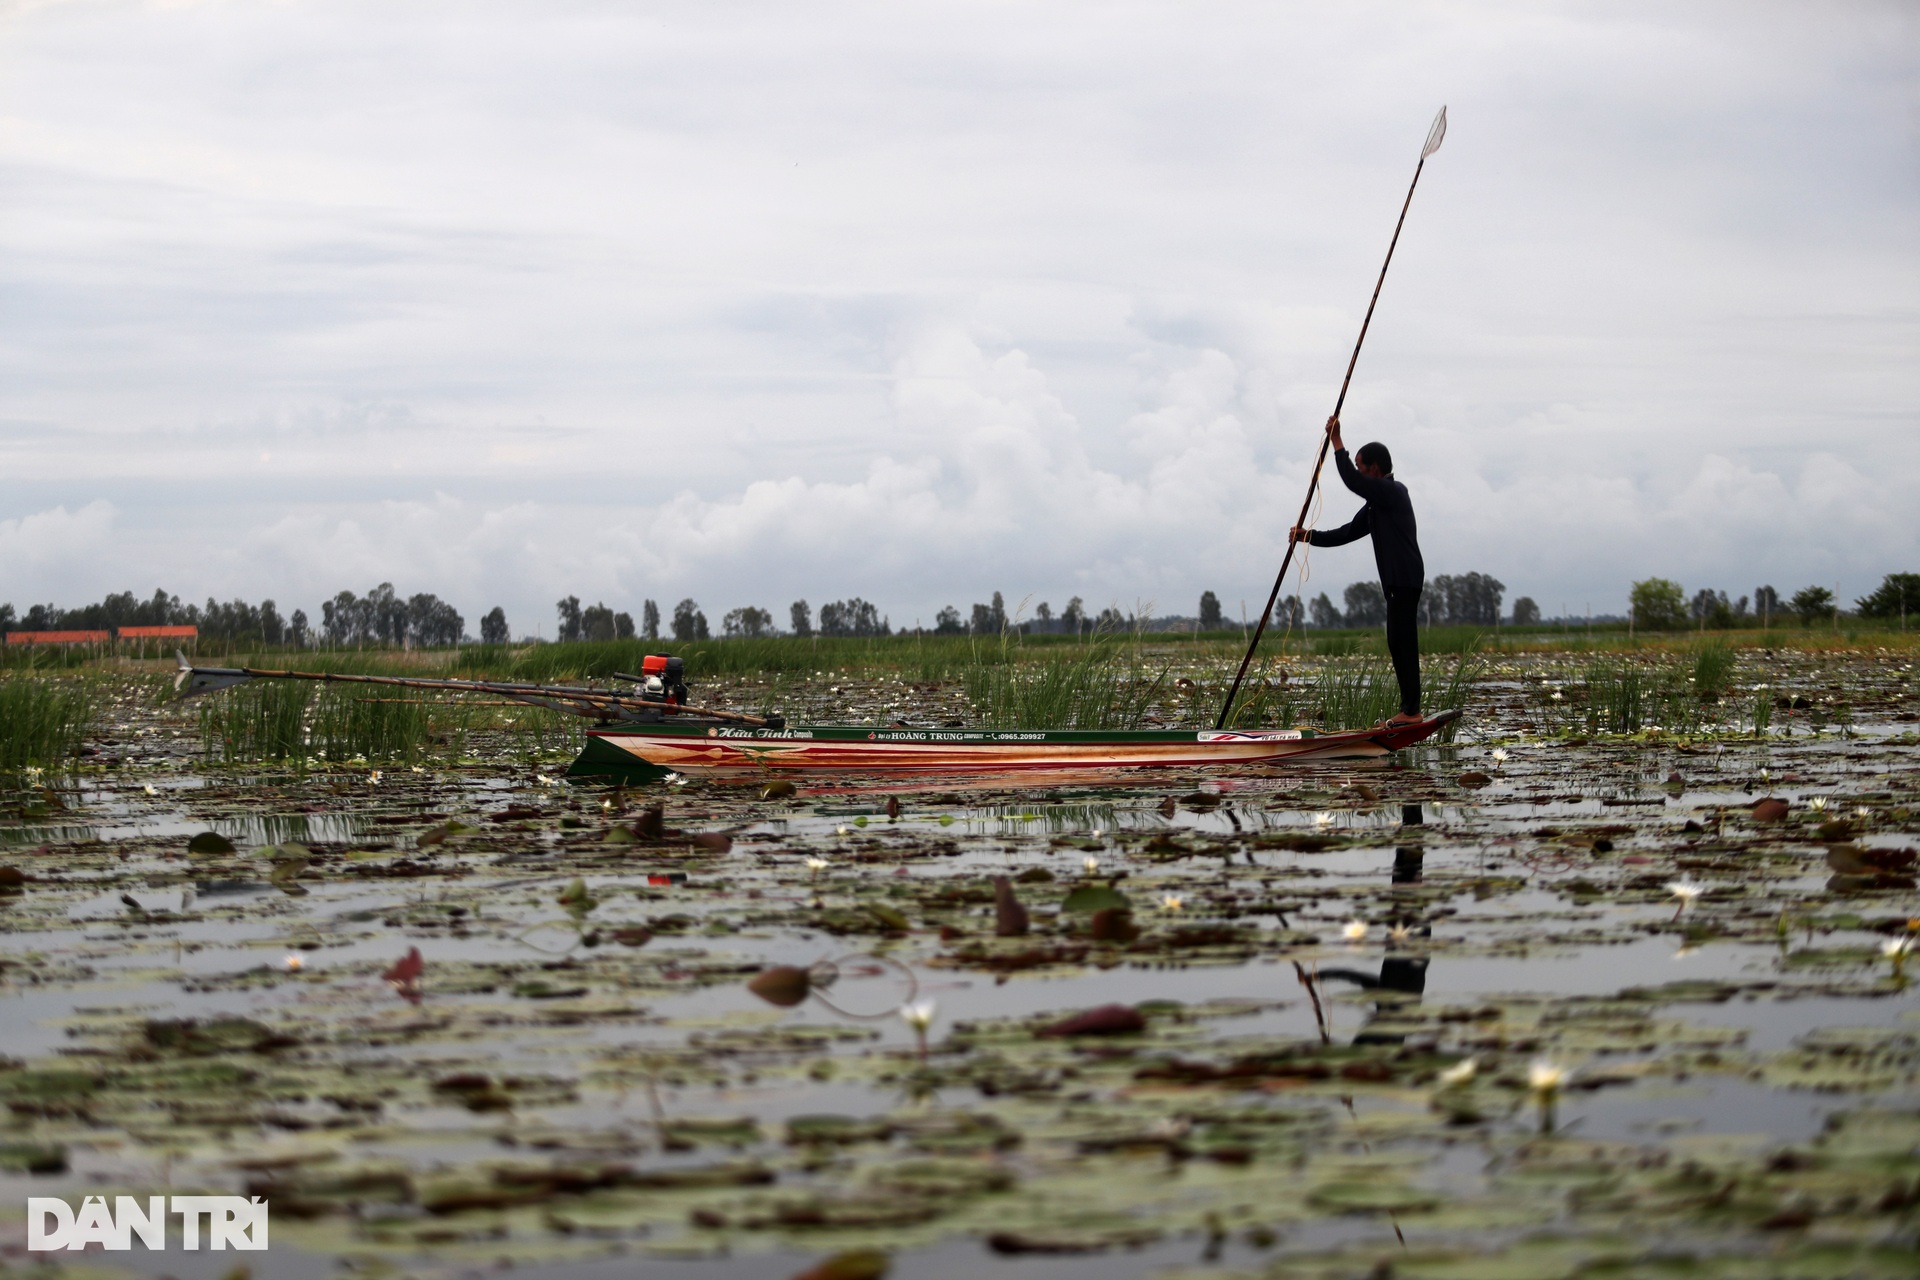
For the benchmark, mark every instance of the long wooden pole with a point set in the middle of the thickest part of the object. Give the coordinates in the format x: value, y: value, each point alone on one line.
x: 1326, y: 441
x: 582, y: 702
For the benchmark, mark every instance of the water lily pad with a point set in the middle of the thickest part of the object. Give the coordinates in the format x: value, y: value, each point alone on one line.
x: 1096, y: 897
x: 1374, y: 1196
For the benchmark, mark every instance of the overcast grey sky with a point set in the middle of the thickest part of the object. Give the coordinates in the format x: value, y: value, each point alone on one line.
x: 917, y: 301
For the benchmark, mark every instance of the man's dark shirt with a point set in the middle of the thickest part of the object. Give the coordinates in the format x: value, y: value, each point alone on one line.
x: 1388, y: 516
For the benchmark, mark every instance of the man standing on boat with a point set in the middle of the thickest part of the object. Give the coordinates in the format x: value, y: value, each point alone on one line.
x: 1388, y: 516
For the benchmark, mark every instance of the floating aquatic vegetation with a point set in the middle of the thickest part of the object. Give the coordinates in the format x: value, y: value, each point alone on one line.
x: 551, y: 1072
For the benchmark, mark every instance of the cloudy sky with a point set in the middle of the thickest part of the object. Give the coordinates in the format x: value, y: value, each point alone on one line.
x: 917, y: 301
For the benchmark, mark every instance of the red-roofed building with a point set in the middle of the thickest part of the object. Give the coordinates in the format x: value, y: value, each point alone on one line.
x: 159, y: 633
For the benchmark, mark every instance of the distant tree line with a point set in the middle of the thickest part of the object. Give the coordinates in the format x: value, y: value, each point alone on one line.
x: 594, y: 621
x: 1661, y: 604
x: 381, y: 617
x: 235, y: 620
x: 1468, y: 600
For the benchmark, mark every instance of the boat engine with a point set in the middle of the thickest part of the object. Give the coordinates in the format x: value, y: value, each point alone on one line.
x: 663, y: 678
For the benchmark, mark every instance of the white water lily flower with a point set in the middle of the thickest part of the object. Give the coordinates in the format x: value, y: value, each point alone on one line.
x: 1685, y: 891
x: 1557, y: 695
x: 1499, y: 755
x: 1459, y: 1073
x: 1546, y: 1077
x: 150, y: 789
x: 674, y: 780
x: 919, y: 1014
x: 1090, y: 863
x: 816, y: 864
x: 842, y: 831
x: 1354, y: 930
x: 1322, y: 819
x: 1894, y: 948
x: 1818, y: 804
x: 1400, y: 933
x: 1170, y: 903
x: 1098, y: 833
x: 373, y: 779
x: 295, y: 962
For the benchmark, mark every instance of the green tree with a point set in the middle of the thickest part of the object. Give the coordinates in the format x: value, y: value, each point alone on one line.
x: 688, y: 622
x: 1898, y: 596
x: 1813, y: 604
x: 1659, y: 604
x: 1209, y: 611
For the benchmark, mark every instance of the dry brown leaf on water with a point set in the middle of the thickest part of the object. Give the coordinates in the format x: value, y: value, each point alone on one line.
x: 1473, y: 778
x: 1105, y: 1020
x: 1113, y: 924
x: 713, y: 841
x: 406, y: 971
x: 1770, y: 809
x: 854, y: 1264
x: 782, y: 986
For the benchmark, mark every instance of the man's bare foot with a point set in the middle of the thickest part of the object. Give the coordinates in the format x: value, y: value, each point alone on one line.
x: 1402, y: 718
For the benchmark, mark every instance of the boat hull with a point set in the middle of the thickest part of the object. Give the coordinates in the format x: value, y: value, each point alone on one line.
x: 638, y: 753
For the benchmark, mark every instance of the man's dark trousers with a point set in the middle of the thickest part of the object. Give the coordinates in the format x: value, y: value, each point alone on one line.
x: 1403, y: 643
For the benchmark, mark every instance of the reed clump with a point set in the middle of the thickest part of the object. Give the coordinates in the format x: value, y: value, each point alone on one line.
x: 1616, y: 697
x: 1712, y: 669
x: 1096, y: 689
x: 262, y: 721
x: 42, y: 721
x: 1353, y: 694
x: 352, y: 726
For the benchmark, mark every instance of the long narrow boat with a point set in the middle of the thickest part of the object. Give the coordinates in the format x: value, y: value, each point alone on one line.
x: 644, y: 735
x: 643, y: 752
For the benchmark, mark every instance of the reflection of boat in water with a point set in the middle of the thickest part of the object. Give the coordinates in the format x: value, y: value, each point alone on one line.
x: 640, y: 751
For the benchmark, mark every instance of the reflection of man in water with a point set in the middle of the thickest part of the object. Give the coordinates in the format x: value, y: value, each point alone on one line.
x: 1405, y: 975
x: 1388, y: 517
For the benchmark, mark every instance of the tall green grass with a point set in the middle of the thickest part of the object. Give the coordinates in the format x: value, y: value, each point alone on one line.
x: 260, y: 721
x: 1094, y: 690
x: 42, y: 721
x: 1353, y: 694
x: 296, y: 722
x: 1712, y: 668
x: 1616, y: 697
